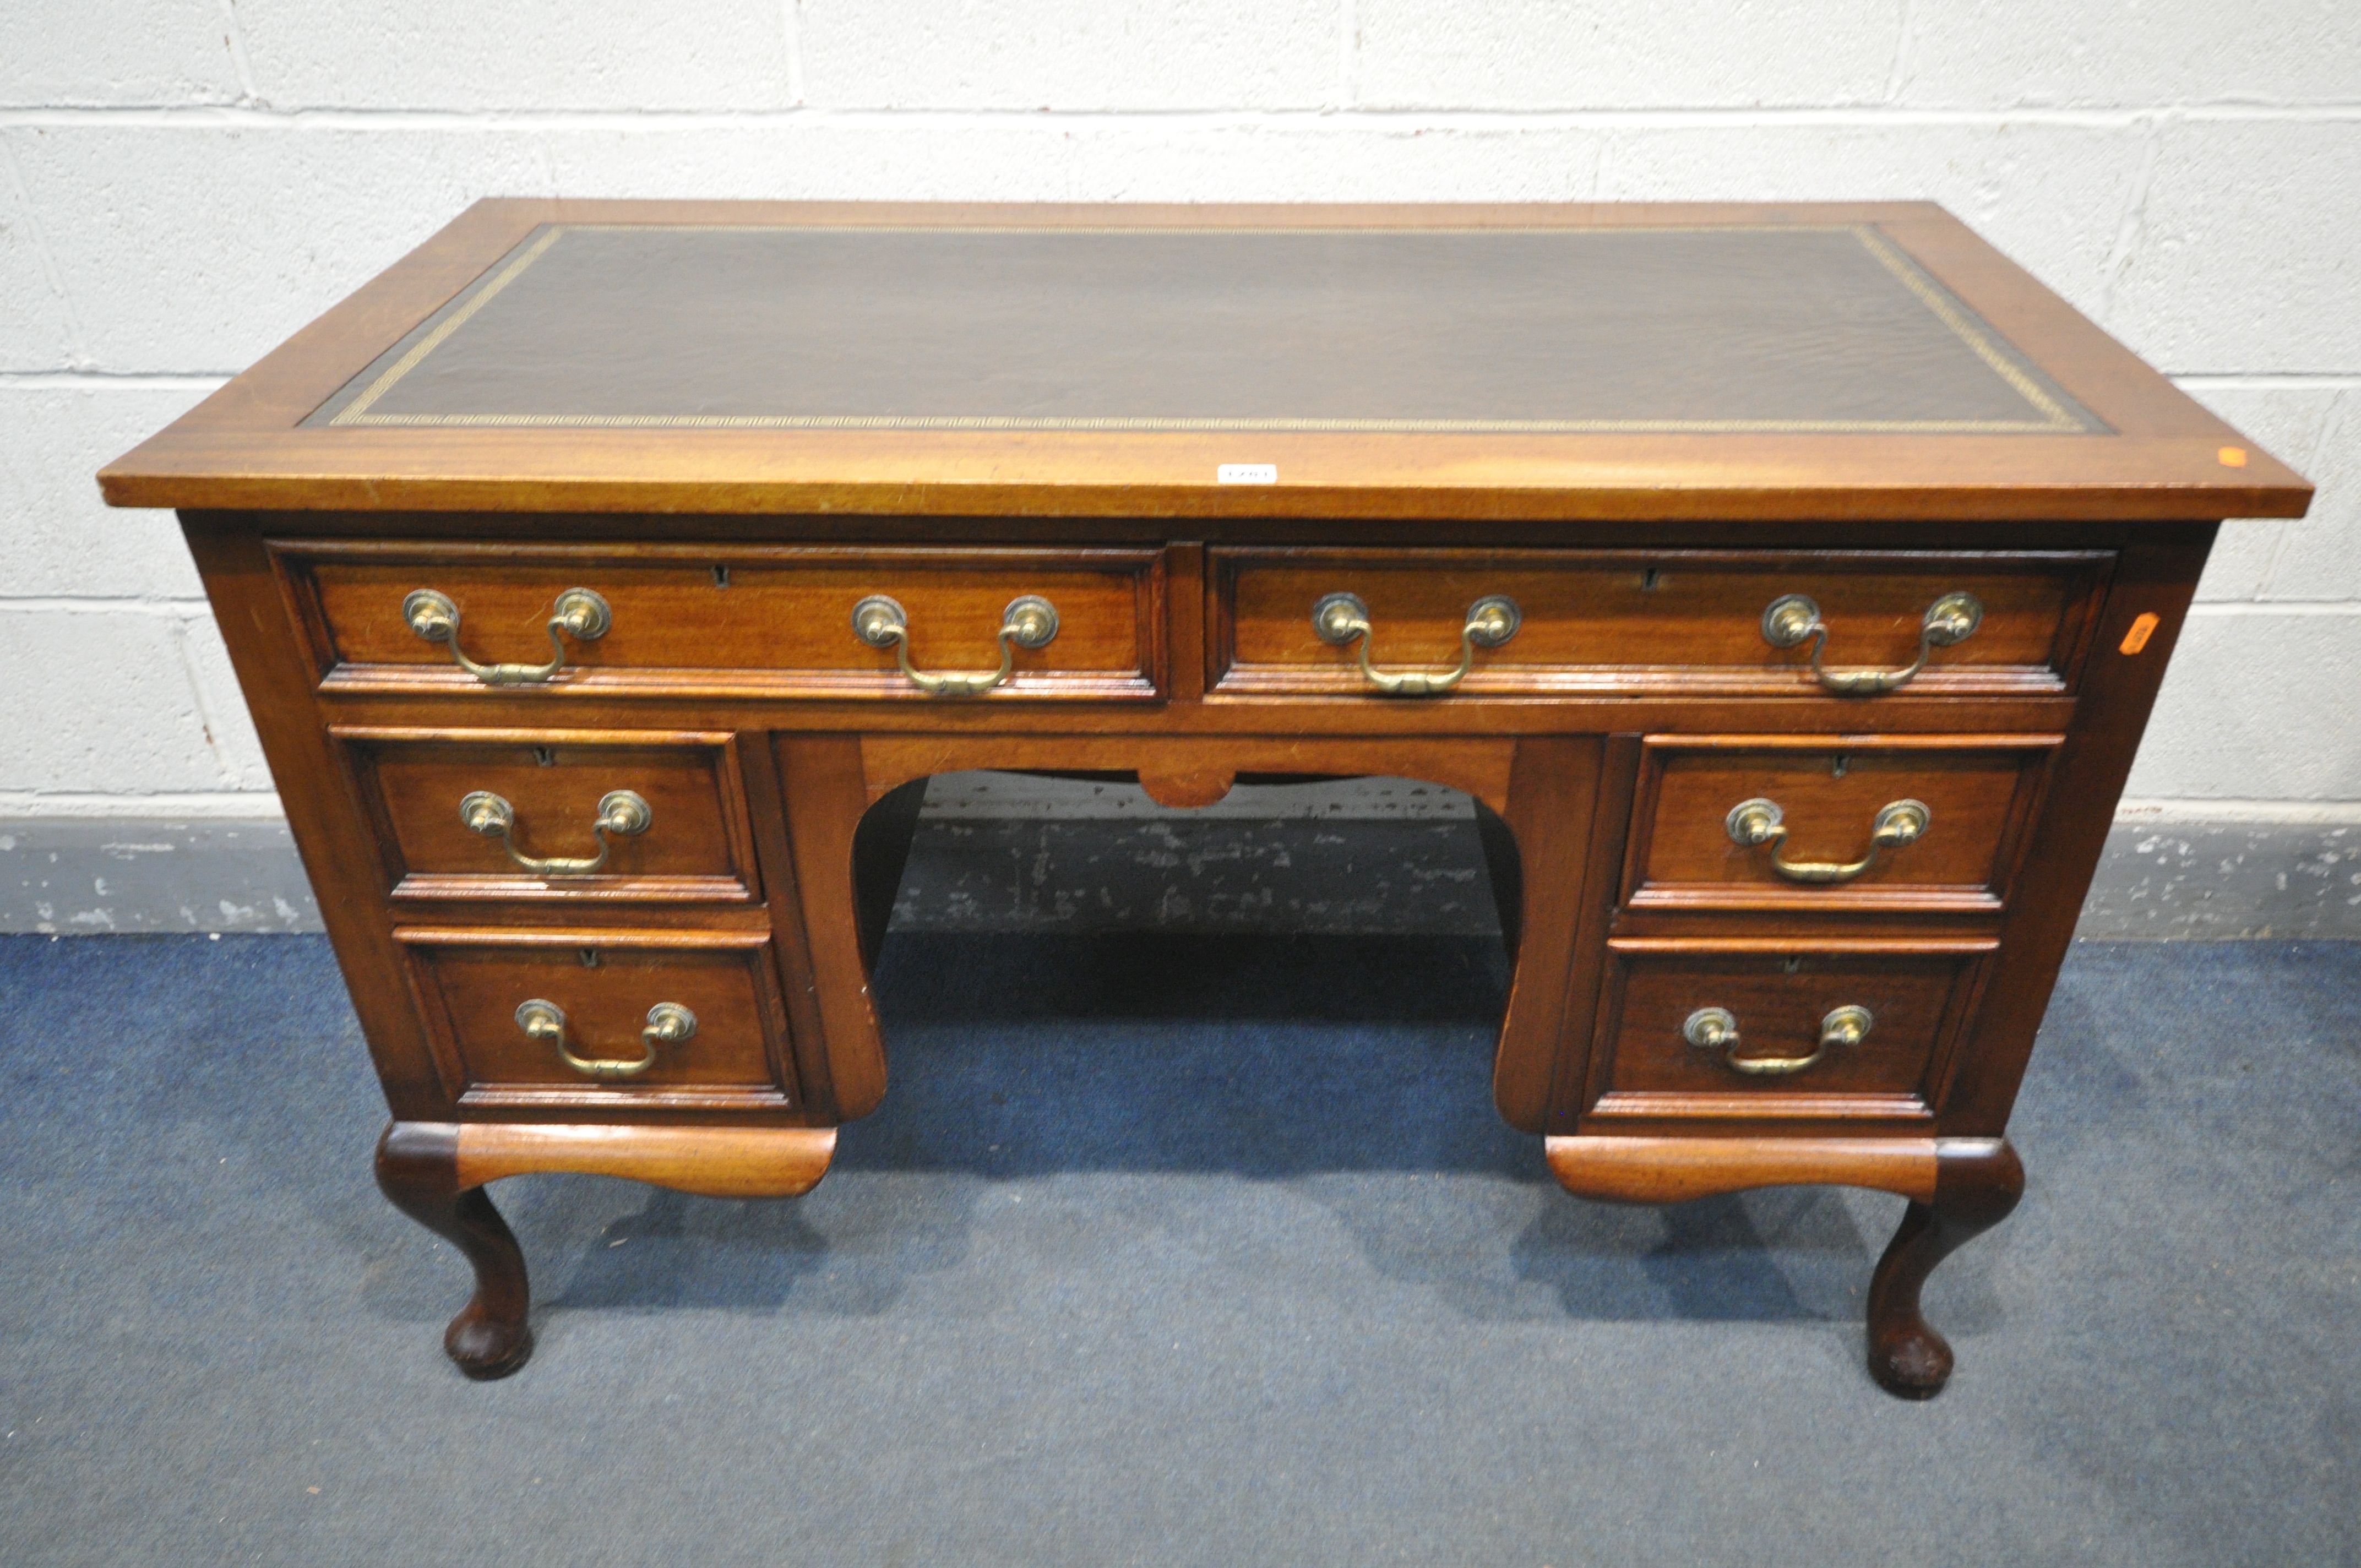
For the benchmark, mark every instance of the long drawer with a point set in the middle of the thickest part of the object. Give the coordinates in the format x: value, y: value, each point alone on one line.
x: 604, y: 1019
x: 658, y: 620
x: 1667, y: 623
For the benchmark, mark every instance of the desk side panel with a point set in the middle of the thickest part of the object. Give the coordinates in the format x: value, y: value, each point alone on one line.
x: 340, y: 854
x: 2119, y: 689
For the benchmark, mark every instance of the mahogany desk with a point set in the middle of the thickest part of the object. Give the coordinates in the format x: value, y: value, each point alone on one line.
x: 1789, y: 585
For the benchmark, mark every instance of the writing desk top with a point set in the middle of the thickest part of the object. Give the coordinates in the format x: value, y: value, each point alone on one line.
x: 1437, y: 362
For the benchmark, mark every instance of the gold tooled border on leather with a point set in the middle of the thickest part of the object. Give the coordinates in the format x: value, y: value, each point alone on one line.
x: 1998, y: 358
x: 355, y: 411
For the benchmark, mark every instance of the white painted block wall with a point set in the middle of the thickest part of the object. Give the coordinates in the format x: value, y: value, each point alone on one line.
x: 184, y: 183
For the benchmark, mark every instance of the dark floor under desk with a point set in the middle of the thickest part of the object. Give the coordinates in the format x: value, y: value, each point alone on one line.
x: 1169, y: 1249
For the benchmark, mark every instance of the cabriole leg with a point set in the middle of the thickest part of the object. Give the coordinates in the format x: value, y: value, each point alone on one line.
x: 417, y: 1170
x: 1977, y: 1183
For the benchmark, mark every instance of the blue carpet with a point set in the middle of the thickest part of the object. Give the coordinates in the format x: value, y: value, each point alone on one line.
x: 1169, y: 1251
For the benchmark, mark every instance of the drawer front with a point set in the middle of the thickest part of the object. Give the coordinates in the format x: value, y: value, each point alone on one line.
x: 1681, y: 1024
x: 603, y: 991
x: 1833, y: 822
x: 729, y: 620
x: 1675, y: 622
x: 555, y: 814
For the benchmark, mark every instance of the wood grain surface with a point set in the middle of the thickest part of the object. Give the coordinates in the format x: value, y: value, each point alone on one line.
x: 242, y: 448
x: 1980, y: 792
x: 1676, y: 1171
x: 1670, y: 619
x: 730, y: 1162
x: 1778, y: 1001
x: 695, y: 847
x: 769, y: 622
x: 471, y: 984
x: 1605, y: 743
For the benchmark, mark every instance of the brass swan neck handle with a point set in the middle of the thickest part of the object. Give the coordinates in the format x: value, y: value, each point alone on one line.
x: 1340, y: 619
x: 1792, y: 619
x: 578, y: 613
x: 621, y: 813
x: 1029, y: 622
x: 1715, y: 1029
x: 1754, y: 823
x: 668, y: 1023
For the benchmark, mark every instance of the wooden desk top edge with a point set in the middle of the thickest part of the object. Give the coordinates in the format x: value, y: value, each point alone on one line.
x: 241, y: 449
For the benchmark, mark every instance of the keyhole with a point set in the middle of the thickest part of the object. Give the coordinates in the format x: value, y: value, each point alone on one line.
x: 544, y: 756
x: 721, y: 577
x: 1793, y: 966
x: 1836, y: 769
x: 1651, y: 579
x: 589, y: 957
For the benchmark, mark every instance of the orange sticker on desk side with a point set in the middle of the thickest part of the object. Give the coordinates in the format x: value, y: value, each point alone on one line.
x: 2142, y: 630
x: 2232, y: 457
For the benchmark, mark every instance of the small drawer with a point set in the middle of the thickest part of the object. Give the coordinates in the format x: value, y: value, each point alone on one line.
x: 658, y: 620
x: 701, y: 1009
x: 555, y: 813
x: 1934, y: 823
x: 1667, y: 623
x: 1724, y: 1028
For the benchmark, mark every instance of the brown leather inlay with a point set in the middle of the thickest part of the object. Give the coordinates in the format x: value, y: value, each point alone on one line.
x: 1804, y: 329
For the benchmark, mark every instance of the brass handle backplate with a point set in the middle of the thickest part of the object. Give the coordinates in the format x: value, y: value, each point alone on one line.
x: 578, y: 613
x: 1029, y: 622
x: 1792, y: 619
x: 1715, y: 1029
x: 1340, y: 619
x: 1754, y: 823
x: 621, y: 813
x: 668, y: 1023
